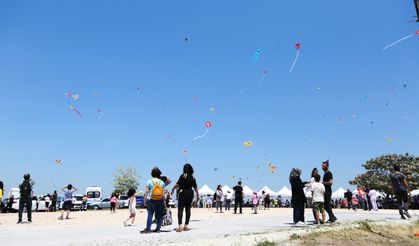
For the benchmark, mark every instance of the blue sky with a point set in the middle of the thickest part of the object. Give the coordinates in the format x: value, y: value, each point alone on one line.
x: 105, y: 50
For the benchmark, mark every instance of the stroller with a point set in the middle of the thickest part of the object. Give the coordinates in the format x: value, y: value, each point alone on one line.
x: 166, y: 217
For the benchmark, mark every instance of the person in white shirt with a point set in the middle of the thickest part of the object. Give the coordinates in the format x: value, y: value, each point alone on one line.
x: 318, y: 199
x: 229, y: 197
x: 373, y: 197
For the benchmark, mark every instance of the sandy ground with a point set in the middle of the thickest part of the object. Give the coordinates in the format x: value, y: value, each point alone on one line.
x: 207, y: 228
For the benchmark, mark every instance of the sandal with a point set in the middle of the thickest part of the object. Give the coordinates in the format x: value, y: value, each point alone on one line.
x: 179, y: 229
x: 186, y: 228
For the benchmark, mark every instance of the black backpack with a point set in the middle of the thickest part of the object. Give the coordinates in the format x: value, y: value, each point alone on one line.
x: 25, y: 189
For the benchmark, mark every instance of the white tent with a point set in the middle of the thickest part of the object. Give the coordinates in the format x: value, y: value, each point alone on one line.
x: 340, y: 193
x: 415, y: 192
x: 284, y: 192
x: 226, y: 188
x: 205, y: 190
x: 267, y: 190
x: 247, y: 191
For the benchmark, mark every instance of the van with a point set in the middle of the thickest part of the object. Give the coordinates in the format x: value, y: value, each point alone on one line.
x: 94, y: 194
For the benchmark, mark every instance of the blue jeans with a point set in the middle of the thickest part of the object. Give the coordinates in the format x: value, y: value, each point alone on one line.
x: 155, y: 207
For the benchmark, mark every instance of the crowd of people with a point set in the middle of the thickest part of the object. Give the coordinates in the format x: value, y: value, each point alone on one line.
x: 187, y: 195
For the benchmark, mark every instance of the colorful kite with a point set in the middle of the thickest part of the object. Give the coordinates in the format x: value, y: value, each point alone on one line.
x: 272, y: 167
x: 195, y: 98
x: 297, y: 47
x: 389, y: 139
x: 263, y: 77
x: 58, y: 162
x: 248, y: 143
x: 74, y: 109
x: 208, y: 125
x: 404, y: 38
x: 256, y: 55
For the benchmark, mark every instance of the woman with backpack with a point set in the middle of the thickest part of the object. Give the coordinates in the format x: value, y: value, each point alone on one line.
x: 154, y: 198
x: 184, y: 185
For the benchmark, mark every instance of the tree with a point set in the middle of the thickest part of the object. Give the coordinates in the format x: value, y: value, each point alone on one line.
x: 125, y: 179
x: 378, y: 172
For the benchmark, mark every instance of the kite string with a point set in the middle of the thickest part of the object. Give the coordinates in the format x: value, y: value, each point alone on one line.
x: 295, y: 60
x: 398, y: 41
x: 203, y: 135
x: 48, y: 138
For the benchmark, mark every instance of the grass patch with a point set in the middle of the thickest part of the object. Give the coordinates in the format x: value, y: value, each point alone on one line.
x: 295, y: 236
x: 266, y: 242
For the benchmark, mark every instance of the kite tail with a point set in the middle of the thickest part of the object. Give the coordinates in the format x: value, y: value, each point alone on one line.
x: 295, y: 61
x: 262, y: 79
x: 77, y: 112
x: 398, y: 41
x: 203, y: 135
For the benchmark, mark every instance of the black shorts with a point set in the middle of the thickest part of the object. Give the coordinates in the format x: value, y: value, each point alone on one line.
x: 67, y: 205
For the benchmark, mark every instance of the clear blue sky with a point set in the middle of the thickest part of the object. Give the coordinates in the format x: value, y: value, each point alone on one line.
x: 48, y: 48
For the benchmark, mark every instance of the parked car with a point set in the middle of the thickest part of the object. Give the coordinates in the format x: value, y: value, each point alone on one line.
x: 104, y: 203
x: 123, y: 201
x: 78, y: 202
x: 140, y: 201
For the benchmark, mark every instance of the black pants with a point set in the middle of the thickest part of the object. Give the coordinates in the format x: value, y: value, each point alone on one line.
x: 54, y: 205
x: 25, y: 202
x: 402, y: 200
x: 328, y: 206
x: 238, y: 202
x: 298, y: 212
x: 185, y: 202
x: 113, y: 205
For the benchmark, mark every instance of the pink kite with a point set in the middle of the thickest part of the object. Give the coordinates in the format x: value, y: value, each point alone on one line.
x: 208, y: 125
x: 297, y: 47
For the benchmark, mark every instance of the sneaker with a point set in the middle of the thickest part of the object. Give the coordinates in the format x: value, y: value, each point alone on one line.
x: 60, y: 218
x: 301, y: 223
x: 19, y: 222
x: 403, y: 218
x: 156, y: 230
x: 145, y: 231
x: 125, y: 223
x: 407, y: 214
x: 30, y: 221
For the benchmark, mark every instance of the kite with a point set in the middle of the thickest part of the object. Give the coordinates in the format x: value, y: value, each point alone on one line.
x: 208, y: 125
x: 74, y: 109
x: 416, y: 2
x: 404, y: 38
x: 195, y: 98
x: 353, y: 115
x: 100, y: 111
x: 215, y: 169
x: 248, y: 143
x: 185, y: 153
x: 187, y: 39
x: 341, y: 120
x: 58, y: 162
x: 138, y: 91
x: 212, y: 110
x: 372, y: 122
x: 256, y: 55
x: 297, y: 47
x: 263, y: 77
x: 95, y: 94
x: 404, y: 85
x: 272, y: 167
x: 318, y: 88
x: 389, y: 139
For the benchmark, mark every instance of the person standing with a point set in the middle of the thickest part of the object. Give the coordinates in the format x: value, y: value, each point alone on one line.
x: 84, y: 202
x: 54, y: 201
x: 400, y: 188
x: 318, y: 199
x: 238, y: 197
x: 255, y: 202
x: 373, y: 197
x: 68, y: 201
x: 1, y: 195
x: 154, y: 199
x: 348, y: 195
x: 267, y: 201
x: 185, y: 184
x: 218, y: 196
x: 367, y: 196
x: 229, y: 197
x: 209, y: 202
x: 113, y: 202
x: 328, y: 182
x: 298, y: 198
x: 25, y: 198
x: 47, y: 201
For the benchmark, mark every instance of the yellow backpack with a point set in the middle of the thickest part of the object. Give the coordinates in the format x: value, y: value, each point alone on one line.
x: 158, y: 191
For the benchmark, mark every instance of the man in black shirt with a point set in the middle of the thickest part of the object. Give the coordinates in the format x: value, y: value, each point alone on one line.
x: 348, y: 195
x: 327, y: 182
x: 400, y: 188
x: 238, y: 196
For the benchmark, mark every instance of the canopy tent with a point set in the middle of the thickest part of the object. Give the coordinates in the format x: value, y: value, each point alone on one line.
x: 284, y: 192
x: 205, y: 190
x: 267, y: 190
x: 247, y: 191
x: 226, y: 188
x: 340, y: 193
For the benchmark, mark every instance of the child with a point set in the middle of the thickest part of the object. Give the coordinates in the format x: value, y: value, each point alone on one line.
x: 318, y: 199
x: 132, y: 206
x: 114, y: 202
x: 255, y: 202
x: 209, y: 202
